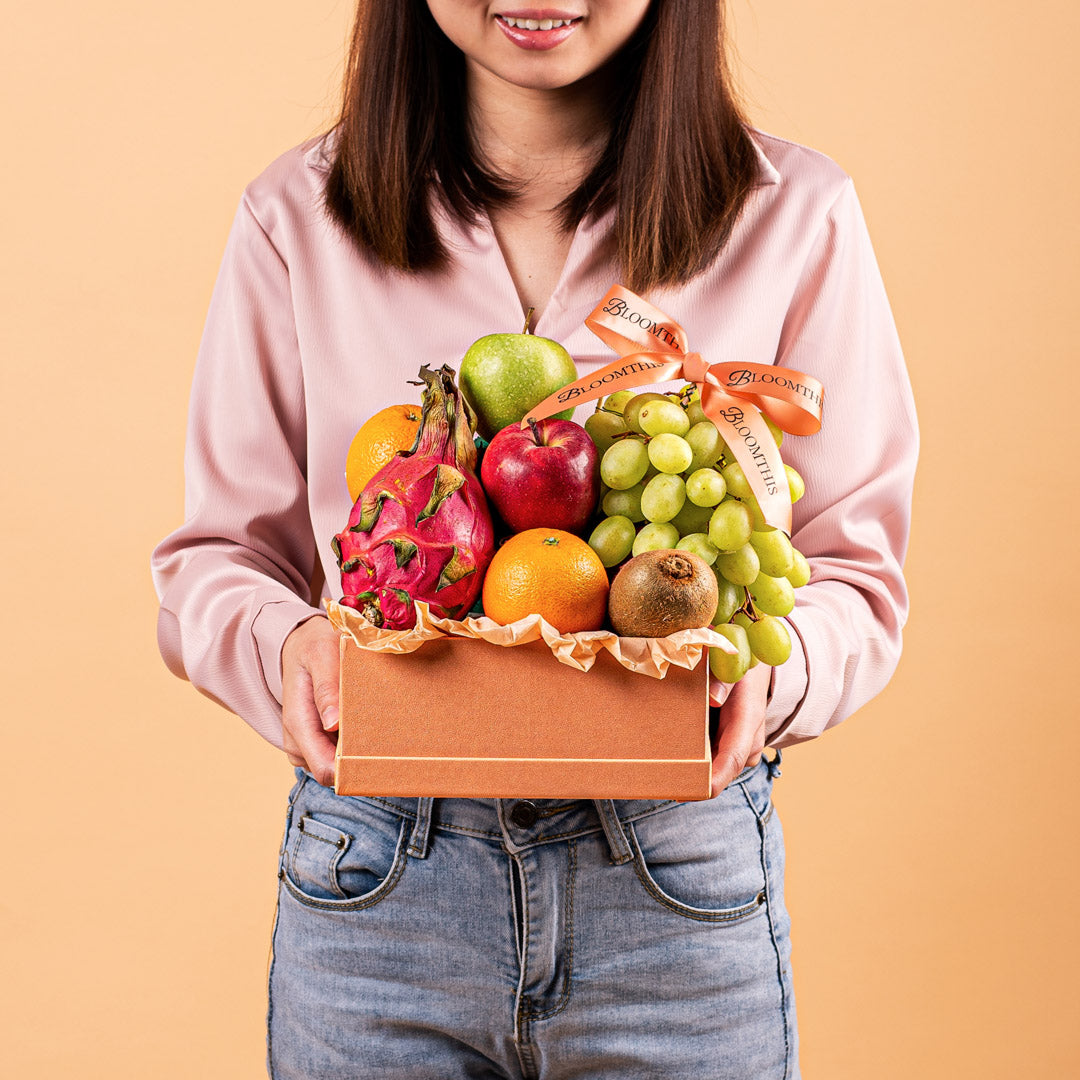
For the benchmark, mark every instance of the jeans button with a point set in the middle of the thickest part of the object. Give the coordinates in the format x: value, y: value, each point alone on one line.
x: 524, y: 814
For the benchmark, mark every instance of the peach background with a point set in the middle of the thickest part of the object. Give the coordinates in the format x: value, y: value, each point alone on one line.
x: 931, y: 838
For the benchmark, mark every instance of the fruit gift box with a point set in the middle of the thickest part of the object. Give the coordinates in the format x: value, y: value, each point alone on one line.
x: 472, y: 708
x: 581, y: 673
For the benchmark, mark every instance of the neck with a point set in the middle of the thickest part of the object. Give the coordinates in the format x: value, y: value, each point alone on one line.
x: 537, y: 138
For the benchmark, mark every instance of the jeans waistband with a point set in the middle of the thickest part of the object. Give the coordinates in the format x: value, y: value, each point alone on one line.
x: 523, y: 823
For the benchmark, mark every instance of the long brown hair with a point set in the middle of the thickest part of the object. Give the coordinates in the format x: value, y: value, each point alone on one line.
x: 678, y: 164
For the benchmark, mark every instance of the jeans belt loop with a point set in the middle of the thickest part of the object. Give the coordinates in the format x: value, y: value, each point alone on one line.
x: 621, y: 851
x: 419, y: 838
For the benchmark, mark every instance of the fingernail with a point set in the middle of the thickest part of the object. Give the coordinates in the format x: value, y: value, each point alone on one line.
x: 330, y: 718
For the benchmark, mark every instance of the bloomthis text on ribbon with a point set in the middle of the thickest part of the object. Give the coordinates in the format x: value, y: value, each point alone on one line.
x: 575, y: 390
x: 653, y: 349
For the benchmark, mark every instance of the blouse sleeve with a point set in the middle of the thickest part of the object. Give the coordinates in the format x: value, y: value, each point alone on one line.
x: 852, y: 523
x: 233, y: 579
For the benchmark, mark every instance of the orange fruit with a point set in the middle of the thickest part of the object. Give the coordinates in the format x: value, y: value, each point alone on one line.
x: 551, y: 573
x: 374, y: 445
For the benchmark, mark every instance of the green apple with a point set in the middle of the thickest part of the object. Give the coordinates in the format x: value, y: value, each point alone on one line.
x: 504, y: 375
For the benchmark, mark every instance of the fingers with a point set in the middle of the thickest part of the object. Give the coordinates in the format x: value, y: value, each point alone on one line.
x: 741, y: 734
x: 310, y: 668
x: 738, y: 743
x: 292, y: 751
x: 304, y: 736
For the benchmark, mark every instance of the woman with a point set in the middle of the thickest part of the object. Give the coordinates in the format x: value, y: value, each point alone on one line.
x: 492, y: 158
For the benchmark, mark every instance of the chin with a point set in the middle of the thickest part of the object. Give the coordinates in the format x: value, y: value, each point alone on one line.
x: 544, y: 74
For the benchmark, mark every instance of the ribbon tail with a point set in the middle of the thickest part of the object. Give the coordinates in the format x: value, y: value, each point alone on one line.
x: 748, y: 436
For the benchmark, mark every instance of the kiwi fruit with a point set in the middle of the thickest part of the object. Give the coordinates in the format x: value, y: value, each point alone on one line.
x: 661, y: 592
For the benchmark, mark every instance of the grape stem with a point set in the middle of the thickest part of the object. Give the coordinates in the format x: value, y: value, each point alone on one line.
x: 748, y: 608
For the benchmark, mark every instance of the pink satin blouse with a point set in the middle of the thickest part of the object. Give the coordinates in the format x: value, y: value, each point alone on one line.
x: 306, y: 338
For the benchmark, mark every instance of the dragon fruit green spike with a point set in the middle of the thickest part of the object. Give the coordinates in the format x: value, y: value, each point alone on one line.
x: 421, y: 529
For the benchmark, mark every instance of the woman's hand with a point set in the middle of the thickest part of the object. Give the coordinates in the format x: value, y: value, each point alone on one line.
x: 309, y: 697
x: 740, y: 738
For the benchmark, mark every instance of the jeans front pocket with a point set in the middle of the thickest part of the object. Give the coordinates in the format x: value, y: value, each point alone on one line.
x: 313, y: 856
x: 703, y: 860
x: 341, y: 853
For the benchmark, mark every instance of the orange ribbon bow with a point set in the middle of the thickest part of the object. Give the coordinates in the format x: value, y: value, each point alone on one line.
x: 653, y: 349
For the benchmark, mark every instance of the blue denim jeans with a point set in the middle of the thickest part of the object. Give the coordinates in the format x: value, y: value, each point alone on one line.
x: 436, y: 939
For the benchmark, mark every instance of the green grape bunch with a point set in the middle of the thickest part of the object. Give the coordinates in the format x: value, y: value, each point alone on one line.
x: 670, y: 481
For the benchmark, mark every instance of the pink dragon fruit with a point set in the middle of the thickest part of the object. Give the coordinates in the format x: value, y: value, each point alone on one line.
x: 421, y: 529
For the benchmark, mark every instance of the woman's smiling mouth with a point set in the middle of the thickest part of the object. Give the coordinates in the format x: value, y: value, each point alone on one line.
x: 537, y: 29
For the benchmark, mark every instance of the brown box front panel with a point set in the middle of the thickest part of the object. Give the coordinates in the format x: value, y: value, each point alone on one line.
x: 460, y: 717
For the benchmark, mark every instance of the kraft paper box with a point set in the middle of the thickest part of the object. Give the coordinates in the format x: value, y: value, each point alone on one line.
x: 460, y: 716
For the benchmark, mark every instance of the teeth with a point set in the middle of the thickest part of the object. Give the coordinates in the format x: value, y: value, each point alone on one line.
x: 535, y: 24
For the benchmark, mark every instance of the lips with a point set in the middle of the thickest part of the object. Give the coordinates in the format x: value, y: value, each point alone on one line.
x: 537, y: 28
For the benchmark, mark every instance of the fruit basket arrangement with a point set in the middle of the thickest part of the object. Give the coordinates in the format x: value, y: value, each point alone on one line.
x: 507, y: 614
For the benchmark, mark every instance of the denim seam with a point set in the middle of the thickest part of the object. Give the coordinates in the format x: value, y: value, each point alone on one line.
x: 273, y: 957
x: 728, y: 915
x: 667, y: 804
x: 524, y: 1042
x: 293, y: 852
x: 435, y: 823
x: 420, y: 834
x: 568, y: 939
x: 392, y: 807
x: 642, y: 814
x: 515, y: 887
x: 270, y: 992
x: 762, y: 819
x: 467, y: 829
x: 581, y: 830
x: 762, y: 816
x: 527, y: 1059
x: 551, y: 811
x: 339, y: 850
x: 322, y: 839
x: 340, y: 846
x: 472, y: 831
x: 332, y: 869
x: 573, y: 834
x: 273, y: 933
x: 379, y: 893
x: 401, y: 811
x: 526, y: 942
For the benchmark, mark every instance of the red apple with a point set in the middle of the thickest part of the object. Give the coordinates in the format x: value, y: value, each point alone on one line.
x: 544, y: 476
